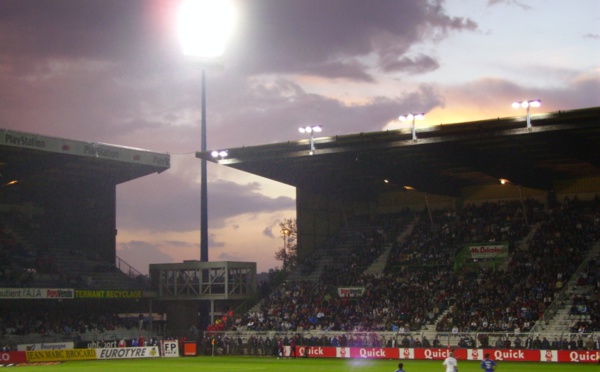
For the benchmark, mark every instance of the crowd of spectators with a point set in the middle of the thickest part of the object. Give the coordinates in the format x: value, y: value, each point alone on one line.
x: 422, y: 290
x: 60, y: 319
x: 26, y: 262
x: 511, y: 300
x: 586, y: 305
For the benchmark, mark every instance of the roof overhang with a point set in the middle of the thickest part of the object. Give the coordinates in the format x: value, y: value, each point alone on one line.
x: 32, y: 158
x: 444, y: 159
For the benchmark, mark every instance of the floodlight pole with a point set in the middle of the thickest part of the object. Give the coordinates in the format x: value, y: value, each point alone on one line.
x: 412, y: 118
x: 286, y: 233
x: 196, y: 20
x: 203, y: 181
x: 527, y: 105
x: 523, y: 205
x: 311, y: 130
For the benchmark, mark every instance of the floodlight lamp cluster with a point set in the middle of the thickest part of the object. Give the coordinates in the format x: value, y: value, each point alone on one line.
x: 410, y: 117
x: 310, y: 129
x: 219, y: 154
x: 527, y: 104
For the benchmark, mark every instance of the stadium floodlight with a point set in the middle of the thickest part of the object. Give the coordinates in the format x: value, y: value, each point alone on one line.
x: 204, y: 27
x: 412, y: 118
x: 412, y: 189
x: 286, y: 236
x: 311, y: 129
x: 219, y: 154
x: 504, y: 181
x: 10, y: 183
x: 527, y: 105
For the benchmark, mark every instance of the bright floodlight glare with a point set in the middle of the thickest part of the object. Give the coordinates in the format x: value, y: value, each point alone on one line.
x: 301, y: 130
x: 223, y: 153
x: 402, y: 118
x: 215, y: 154
x: 205, y: 26
x: 536, y: 103
x: 516, y: 104
x: 317, y: 128
x: 420, y: 116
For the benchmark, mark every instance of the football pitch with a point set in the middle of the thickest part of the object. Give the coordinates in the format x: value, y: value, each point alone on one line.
x: 239, y: 364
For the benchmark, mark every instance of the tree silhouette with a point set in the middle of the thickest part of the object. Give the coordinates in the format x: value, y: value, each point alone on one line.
x: 288, y: 253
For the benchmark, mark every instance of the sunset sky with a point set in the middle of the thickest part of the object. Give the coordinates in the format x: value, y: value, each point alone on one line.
x: 112, y: 71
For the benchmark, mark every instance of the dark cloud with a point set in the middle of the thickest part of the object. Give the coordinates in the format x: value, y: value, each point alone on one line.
x: 224, y: 256
x: 213, y: 243
x: 140, y: 254
x: 313, y: 37
x: 33, y: 32
x: 168, y: 203
x: 580, y: 93
x: 278, y: 108
x: 418, y: 65
x: 109, y: 71
x: 268, y: 231
x: 338, y: 30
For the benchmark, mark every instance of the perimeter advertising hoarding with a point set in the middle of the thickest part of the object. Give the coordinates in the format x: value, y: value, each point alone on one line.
x: 37, y: 356
x: 36, y: 293
x: 91, y: 354
x: 46, y: 346
x: 344, y: 292
x: 104, y: 293
x: 506, y: 355
x: 169, y: 348
x: 86, y: 149
x: 12, y: 357
x: 128, y: 352
x: 483, y: 251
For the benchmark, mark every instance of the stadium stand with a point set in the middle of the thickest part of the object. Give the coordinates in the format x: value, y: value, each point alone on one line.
x: 422, y: 295
x: 379, y: 277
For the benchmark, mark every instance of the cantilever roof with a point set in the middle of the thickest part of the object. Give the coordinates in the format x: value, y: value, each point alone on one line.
x: 444, y: 160
x: 31, y: 158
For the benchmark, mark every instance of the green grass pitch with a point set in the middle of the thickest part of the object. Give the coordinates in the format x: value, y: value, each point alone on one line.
x: 244, y: 364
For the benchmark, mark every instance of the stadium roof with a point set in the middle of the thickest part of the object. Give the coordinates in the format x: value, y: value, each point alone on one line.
x: 444, y: 159
x: 35, y: 159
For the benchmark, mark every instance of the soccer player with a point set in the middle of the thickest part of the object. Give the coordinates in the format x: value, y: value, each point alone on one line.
x: 400, y: 368
x: 451, y: 363
x: 487, y: 364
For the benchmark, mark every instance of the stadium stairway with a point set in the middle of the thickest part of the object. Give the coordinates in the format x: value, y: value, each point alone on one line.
x: 377, y: 268
x: 314, y: 275
x: 557, y: 318
x: 521, y: 245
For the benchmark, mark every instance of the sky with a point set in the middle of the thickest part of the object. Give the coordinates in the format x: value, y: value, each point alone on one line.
x: 113, y: 71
